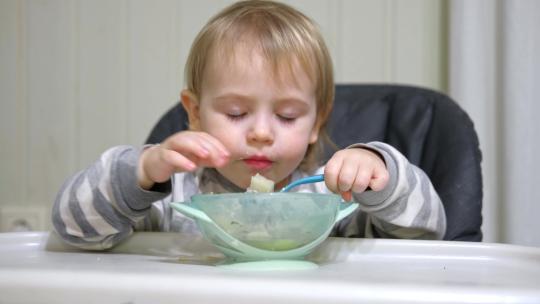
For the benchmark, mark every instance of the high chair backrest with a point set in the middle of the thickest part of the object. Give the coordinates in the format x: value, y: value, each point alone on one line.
x: 428, y: 127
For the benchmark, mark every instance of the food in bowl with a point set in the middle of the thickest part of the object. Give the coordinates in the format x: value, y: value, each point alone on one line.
x: 255, y: 226
x: 265, y: 226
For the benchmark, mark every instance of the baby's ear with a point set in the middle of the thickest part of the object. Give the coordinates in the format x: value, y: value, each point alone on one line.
x: 191, y: 104
x: 314, y: 135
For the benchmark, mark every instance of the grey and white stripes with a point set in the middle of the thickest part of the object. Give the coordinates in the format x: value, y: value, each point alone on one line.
x: 103, y: 204
x: 100, y: 206
x: 412, y: 210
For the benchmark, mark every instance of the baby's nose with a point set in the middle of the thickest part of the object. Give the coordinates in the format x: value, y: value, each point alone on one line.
x: 261, y: 131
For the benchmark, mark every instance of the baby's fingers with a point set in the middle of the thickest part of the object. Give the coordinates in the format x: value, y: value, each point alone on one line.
x: 334, y: 181
x: 331, y: 173
x: 157, y: 164
x: 218, y: 155
x: 379, y: 180
x: 200, y: 149
x: 347, y: 196
x: 362, y: 180
x: 177, y: 160
x: 347, y: 177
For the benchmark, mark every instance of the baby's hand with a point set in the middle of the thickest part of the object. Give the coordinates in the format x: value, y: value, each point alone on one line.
x: 355, y: 170
x: 183, y: 151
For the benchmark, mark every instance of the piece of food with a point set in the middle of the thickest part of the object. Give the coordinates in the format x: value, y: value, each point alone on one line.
x: 260, y: 183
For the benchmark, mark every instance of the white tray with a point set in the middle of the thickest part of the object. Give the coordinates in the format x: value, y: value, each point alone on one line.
x: 176, y: 268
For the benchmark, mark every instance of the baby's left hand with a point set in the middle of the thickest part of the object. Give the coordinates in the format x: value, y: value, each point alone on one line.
x: 355, y: 169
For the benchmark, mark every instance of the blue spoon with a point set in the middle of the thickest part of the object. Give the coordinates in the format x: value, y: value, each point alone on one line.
x: 305, y: 180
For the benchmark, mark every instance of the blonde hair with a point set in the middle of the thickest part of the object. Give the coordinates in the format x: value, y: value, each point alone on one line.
x: 283, y: 35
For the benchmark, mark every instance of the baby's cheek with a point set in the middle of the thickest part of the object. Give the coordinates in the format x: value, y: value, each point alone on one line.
x: 294, y: 150
x: 231, y: 141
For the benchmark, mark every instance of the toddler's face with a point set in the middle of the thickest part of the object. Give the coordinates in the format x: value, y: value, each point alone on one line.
x: 265, y: 123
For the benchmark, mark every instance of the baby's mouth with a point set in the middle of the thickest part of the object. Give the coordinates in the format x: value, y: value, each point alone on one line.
x: 258, y: 162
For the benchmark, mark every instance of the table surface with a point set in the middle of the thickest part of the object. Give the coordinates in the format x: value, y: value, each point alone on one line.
x: 172, y: 267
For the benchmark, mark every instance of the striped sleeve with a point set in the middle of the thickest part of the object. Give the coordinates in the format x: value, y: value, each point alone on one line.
x: 408, y: 207
x: 100, y: 206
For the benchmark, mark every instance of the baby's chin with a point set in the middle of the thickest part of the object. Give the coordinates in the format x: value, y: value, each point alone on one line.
x: 240, y: 179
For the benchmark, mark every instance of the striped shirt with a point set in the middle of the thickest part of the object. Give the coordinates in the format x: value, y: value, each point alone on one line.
x: 103, y: 204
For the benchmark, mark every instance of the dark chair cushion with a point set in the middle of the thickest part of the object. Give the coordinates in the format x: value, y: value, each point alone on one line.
x: 429, y: 128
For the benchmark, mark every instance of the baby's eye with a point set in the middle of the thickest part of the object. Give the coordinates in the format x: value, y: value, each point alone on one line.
x: 235, y: 116
x: 286, y: 118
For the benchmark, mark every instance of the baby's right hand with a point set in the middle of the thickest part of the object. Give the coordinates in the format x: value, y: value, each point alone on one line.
x: 183, y: 151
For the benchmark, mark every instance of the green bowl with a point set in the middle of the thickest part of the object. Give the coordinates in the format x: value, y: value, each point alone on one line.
x: 266, y: 226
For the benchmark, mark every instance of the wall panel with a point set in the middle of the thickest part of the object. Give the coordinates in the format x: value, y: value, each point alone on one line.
x: 417, y: 52
x: 49, y: 91
x: 150, y: 67
x: 104, y: 54
x: 12, y: 103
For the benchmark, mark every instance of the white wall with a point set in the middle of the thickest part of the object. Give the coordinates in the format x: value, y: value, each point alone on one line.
x: 494, y: 72
x: 77, y: 77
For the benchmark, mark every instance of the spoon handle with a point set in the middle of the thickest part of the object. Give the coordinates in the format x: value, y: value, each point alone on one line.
x: 305, y: 180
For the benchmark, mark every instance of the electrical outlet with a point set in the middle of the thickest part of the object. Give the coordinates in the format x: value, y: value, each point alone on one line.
x: 22, y: 218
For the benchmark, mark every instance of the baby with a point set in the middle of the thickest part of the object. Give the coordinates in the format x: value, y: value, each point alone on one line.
x: 259, y: 92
